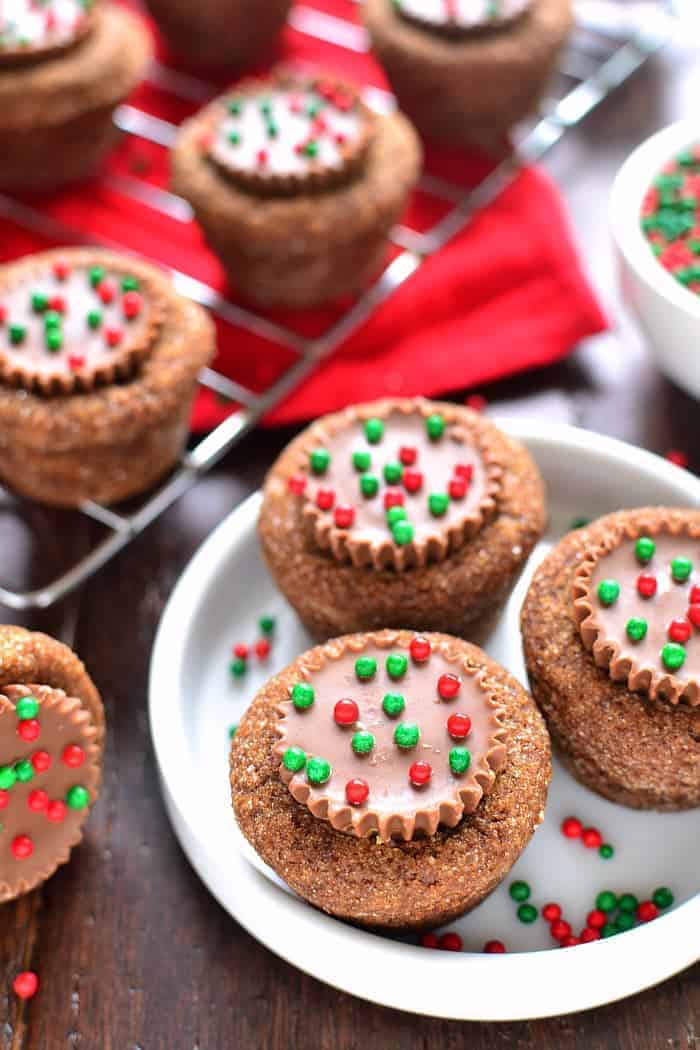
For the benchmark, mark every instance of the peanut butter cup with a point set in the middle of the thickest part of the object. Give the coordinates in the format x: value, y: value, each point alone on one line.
x: 610, y: 628
x: 400, y: 511
x: 366, y: 772
x: 296, y: 184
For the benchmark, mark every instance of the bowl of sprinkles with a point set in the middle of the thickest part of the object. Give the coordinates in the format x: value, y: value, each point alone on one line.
x: 655, y: 221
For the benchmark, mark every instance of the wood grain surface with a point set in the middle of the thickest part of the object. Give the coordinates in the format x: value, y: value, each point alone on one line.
x: 132, y: 952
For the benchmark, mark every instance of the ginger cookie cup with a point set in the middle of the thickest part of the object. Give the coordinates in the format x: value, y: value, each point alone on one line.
x: 612, y: 645
x: 401, y: 512
x: 64, y: 67
x: 468, y: 70
x: 296, y: 185
x: 218, y: 33
x: 99, y: 358
x: 390, y: 778
x: 51, y: 745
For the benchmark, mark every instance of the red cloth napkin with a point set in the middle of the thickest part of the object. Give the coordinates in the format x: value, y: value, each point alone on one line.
x: 506, y: 295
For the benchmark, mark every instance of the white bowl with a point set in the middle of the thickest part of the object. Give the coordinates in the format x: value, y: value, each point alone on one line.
x: 668, y: 313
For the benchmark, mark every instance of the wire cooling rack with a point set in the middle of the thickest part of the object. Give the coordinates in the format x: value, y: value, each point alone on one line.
x: 610, y: 43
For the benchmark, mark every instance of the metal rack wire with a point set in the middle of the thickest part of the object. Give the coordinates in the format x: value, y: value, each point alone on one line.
x: 605, y: 50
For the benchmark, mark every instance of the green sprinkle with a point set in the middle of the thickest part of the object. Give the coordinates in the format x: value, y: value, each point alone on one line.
x: 27, y: 707
x: 681, y: 569
x: 394, y: 515
x: 369, y: 485
x: 234, y: 138
x: 579, y: 523
x: 645, y: 549
x: 318, y: 771
x: 402, y: 532
x: 266, y: 107
x: 519, y: 891
x: 527, y: 913
x: 362, y: 742
x: 365, y: 668
x: 238, y: 667
x: 673, y: 656
x: 94, y: 319
x: 460, y: 760
x: 374, y: 431
x: 662, y: 897
x: 608, y: 592
x: 235, y: 107
x: 628, y: 902
x: 393, y: 704
x: 303, y: 695
x: 393, y: 472
x: 77, y: 797
x: 17, y: 333
x: 609, y: 930
x: 606, y: 851
x: 96, y: 275
x: 272, y: 130
x: 636, y: 629
x: 406, y: 735
x: 438, y: 502
x: 7, y: 777
x: 232, y: 730
x: 54, y: 340
x: 606, y: 901
x: 435, y: 426
x: 361, y: 461
x: 320, y: 460
x: 624, y: 921
x: 396, y: 665
x: 39, y: 302
x: 52, y: 319
x: 130, y: 284
x: 267, y: 624
x: 311, y: 149
x: 24, y: 771
x: 294, y: 759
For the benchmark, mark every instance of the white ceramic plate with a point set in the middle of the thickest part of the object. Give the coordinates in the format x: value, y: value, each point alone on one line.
x: 193, y: 701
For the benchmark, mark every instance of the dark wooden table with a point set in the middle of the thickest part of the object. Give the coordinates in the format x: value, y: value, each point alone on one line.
x: 132, y: 952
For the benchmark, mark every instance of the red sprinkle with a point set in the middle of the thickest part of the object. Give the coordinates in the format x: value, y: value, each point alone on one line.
x: 408, y: 455
x: 694, y: 614
x: 113, y: 336
x: 591, y: 838
x: 569, y: 942
x: 132, y: 304
x: 560, y: 929
x: 41, y: 760
x: 476, y: 402
x: 76, y: 361
x: 448, y: 686
x: 679, y: 630
x: 646, y: 585
x: 241, y: 651
x: 429, y: 940
x: 676, y: 455
x: 262, y: 648
x: 459, y: 726
x: 419, y: 649
x: 106, y: 291
x: 465, y: 471
x: 4, y: 799
x: 56, y: 811
x: 357, y: 791
x: 325, y: 498
x: 57, y: 303
x: 457, y: 488
x: 494, y: 948
x: 346, y: 712
x: 451, y: 942
x: 61, y: 269
x: 3, y: 314
x: 413, y: 480
x: 420, y: 773
x: 28, y: 729
x: 551, y: 912
x: 261, y: 157
x: 25, y: 985
x: 694, y: 595
x: 344, y: 516
x: 37, y: 801
x: 571, y: 827
x: 647, y: 911
x: 596, y: 919
x: 393, y: 498
x: 589, y: 934
x: 296, y: 484
x: 22, y: 847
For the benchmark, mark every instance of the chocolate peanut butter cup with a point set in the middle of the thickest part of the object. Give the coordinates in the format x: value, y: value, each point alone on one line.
x: 467, y: 70
x: 296, y: 184
x: 609, y: 628
x: 51, y: 743
x: 366, y: 772
x: 64, y: 66
x: 400, y: 510
x: 98, y: 366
